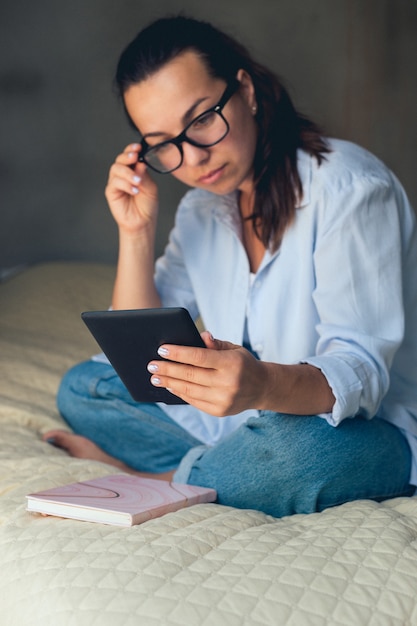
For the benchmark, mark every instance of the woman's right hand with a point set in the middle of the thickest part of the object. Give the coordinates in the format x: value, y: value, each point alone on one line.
x: 131, y: 193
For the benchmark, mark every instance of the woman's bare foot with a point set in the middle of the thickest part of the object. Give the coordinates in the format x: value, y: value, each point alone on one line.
x: 83, y: 448
x: 80, y: 447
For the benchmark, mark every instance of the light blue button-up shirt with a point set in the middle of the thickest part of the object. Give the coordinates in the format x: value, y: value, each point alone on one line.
x: 340, y: 293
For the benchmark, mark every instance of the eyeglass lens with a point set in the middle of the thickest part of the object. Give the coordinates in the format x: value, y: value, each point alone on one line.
x: 206, y: 130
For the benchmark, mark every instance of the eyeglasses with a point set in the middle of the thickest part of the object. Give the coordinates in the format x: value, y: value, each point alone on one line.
x: 204, y: 131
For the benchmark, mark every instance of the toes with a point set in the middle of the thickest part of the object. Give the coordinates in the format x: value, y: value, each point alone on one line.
x: 53, y: 434
x: 57, y: 438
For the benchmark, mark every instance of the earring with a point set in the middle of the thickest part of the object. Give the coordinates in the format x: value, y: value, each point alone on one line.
x: 254, y: 109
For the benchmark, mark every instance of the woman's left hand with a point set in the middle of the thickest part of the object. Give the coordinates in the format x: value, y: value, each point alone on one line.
x: 223, y: 380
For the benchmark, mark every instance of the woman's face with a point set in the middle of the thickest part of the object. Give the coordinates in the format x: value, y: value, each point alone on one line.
x: 163, y: 104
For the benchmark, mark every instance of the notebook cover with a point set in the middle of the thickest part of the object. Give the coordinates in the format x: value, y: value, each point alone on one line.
x: 120, y: 499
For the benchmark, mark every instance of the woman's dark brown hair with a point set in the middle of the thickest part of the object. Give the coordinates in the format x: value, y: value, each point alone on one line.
x: 282, y: 129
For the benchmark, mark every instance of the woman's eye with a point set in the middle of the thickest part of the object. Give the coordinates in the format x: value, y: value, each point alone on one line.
x: 204, y: 120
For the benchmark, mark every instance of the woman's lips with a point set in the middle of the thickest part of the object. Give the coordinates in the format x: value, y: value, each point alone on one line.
x: 212, y: 176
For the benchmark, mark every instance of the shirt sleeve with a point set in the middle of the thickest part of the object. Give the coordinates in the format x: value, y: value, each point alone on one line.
x: 171, y: 277
x: 358, y: 294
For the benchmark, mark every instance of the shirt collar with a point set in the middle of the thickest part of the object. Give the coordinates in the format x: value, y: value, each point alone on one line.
x: 226, y: 210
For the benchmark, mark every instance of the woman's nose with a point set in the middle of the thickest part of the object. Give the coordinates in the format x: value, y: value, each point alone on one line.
x: 194, y: 155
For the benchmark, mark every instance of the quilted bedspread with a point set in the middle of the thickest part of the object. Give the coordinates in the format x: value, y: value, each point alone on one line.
x: 208, y: 565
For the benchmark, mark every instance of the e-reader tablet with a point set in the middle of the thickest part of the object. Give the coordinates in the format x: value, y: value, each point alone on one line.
x: 130, y: 339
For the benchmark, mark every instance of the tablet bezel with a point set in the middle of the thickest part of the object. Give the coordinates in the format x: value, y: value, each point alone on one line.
x: 131, y: 338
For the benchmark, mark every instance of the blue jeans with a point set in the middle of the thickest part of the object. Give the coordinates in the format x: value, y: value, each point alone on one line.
x: 276, y: 463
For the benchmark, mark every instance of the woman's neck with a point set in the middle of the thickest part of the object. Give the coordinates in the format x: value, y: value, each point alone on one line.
x: 246, y: 203
x: 254, y: 247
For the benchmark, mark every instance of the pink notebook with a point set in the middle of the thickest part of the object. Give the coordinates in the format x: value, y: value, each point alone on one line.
x: 120, y: 499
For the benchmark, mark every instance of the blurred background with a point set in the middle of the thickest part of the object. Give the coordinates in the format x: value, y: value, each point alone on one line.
x: 349, y: 64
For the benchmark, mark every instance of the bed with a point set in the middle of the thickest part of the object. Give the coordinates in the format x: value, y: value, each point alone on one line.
x: 208, y: 565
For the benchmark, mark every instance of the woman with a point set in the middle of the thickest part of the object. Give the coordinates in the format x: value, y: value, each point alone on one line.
x: 298, y: 255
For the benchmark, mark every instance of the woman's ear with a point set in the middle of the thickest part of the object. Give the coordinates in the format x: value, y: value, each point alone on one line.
x: 247, y: 89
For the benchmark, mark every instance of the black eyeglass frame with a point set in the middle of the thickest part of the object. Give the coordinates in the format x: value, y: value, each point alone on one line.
x: 230, y: 90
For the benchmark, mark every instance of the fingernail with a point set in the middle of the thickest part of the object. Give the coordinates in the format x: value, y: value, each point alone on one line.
x: 135, y: 190
x: 137, y: 179
x: 163, y: 351
x: 155, y: 380
x: 152, y: 367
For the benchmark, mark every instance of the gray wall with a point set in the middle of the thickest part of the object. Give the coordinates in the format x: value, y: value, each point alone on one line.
x: 348, y: 63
